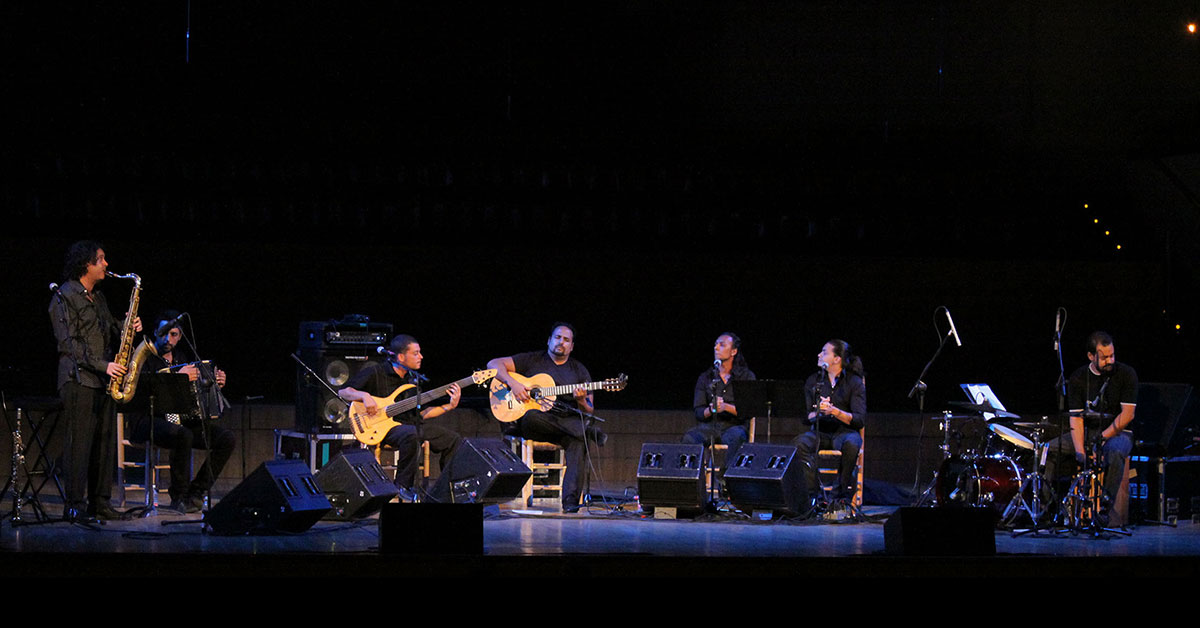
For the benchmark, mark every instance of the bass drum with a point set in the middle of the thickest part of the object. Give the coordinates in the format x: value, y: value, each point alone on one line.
x: 983, y: 482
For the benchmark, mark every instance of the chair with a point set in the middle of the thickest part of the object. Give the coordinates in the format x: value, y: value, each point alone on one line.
x: 548, y: 469
x: 422, y: 465
x: 125, y: 465
x: 827, y: 465
x: 715, y: 447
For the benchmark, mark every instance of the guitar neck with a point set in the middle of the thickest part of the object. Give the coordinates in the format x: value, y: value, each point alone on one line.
x: 566, y: 389
x: 406, y: 405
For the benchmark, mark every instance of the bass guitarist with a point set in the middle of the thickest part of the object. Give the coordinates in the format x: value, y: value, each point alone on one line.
x: 557, y: 423
x: 381, y: 380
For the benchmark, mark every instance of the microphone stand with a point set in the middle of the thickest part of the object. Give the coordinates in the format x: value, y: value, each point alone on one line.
x: 584, y: 417
x: 919, y: 389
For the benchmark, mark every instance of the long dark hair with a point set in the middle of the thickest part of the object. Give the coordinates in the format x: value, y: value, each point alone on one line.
x: 739, y: 360
x: 850, y: 363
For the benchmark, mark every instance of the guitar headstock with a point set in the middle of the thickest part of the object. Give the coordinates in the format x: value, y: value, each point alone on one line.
x: 613, y: 384
x: 481, y: 377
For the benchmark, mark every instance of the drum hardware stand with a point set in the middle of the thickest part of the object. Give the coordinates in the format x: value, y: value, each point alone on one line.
x: 1035, y: 480
x: 1087, y: 482
x: 929, y: 495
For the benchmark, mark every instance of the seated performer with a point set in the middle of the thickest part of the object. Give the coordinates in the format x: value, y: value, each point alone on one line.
x: 181, y: 433
x: 379, y: 379
x: 1107, y: 390
x: 559, y: 424
x: 837, y: 395
x: 717, y: 419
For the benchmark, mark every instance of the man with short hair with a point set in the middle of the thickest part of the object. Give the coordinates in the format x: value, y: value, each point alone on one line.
x: 560, y: 423
x: 379, y: 379
x: 1102, y: 398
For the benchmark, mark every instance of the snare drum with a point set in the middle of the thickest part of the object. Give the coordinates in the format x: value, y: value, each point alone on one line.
x: 985, y: 481
x: 1007, y: 442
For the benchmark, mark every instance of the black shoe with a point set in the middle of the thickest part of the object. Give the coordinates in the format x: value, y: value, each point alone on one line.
x: 184, y: 505
x: 570, y: 510
x: 74, y: 515
x: 104, y: 512
x: 598, y: 435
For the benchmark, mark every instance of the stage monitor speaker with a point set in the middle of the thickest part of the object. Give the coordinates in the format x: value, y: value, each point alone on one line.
x: 943, y: 531
x: 766, y: 477
x: 431, y: 529
x: 355, y: 485
x: 672, y: 475
x: 336, y: 351
x: 279, y: 496
x: 483, y: 470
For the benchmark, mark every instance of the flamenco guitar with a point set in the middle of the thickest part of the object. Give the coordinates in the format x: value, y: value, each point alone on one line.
x: 542, y: 393
x: 370, y: 427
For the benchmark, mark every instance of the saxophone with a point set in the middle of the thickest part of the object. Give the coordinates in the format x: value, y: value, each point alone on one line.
x: 121, y: 388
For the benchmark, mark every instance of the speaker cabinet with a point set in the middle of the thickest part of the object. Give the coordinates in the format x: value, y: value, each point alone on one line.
x: 483, y: 470
x: 941, y: 532
x: 279, y: 496
x: 672, y: 475
x: 431, y: 529
x: 767, y: 477
x: 335, y: 351
x: 355, y: 485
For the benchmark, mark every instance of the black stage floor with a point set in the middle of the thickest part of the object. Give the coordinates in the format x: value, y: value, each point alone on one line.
x: 597, y: 542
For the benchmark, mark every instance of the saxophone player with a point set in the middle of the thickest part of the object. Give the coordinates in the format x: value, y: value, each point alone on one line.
x: 86, y: 335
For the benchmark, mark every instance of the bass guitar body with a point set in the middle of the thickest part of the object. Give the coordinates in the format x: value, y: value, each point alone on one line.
x: 370, y: 427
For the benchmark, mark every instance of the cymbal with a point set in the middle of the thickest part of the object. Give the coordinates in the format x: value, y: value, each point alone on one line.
x: 1092, y: 414
x: 985, y: 407
x: 1047, y: 428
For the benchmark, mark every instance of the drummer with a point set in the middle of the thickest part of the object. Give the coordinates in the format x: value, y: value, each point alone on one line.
x: 1101, y: 396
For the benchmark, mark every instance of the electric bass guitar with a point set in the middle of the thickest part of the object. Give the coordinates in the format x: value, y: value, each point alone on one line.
x: 370, y: 427
x: 542, y: 392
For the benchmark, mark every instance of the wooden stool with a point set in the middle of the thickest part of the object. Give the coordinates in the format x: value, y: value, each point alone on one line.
x: 547, y: 476
x: 825, y: 468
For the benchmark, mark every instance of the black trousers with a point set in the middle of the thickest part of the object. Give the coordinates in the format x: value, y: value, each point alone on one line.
x: 181, y: 439
x: 406, y: 439
x: 568, y: 432
x: 90, y: 448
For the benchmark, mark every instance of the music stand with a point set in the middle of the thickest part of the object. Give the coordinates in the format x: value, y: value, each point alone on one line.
x: 769, y: 398
x: 162, y: 393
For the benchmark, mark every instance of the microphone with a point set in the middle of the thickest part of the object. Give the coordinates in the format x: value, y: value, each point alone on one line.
x: 393, y: 355
x: 717, y: 365
x: 53, y: 287
x: 168, y: 325
x: 953, y: 330
x: 1057, y: 327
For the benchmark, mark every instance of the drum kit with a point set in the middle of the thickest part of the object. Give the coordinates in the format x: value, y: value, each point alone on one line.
x: 1003, y: 469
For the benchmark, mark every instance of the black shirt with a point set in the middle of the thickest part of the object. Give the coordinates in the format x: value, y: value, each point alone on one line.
x: 86, y: 335
x: 848, y: 394
x: 379, y: 379
x: 1084, y: 386
x: 570, y: 372
x: 709, y: 386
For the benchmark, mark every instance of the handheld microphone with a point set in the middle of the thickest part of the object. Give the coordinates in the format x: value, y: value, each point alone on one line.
x: 385, y: 351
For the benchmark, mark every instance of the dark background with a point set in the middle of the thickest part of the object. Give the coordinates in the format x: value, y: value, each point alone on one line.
x: 656, y: 173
